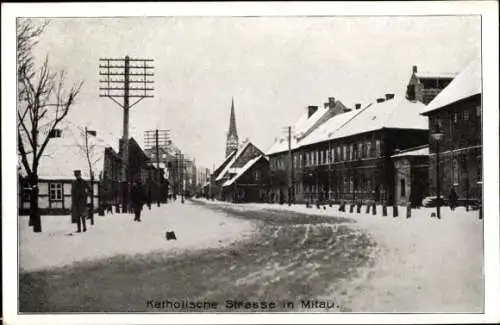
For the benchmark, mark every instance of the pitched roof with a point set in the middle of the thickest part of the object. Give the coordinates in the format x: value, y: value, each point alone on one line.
x: 64, y: 155
x: 327, y: 130
x: 301, y: 127
x: 231, y: 162
x: 243, y: 169
x: 466, y: 84
x: 417, y: 151
x: 396, y: 113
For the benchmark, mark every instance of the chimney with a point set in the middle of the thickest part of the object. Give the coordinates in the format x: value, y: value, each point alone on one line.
x: 380, y: 100
x: 414, y: 69
x: 357, y: 105
x: 331, y: 101
x: 326, y: 104
x: 311, y: 109
x: 389, y: 96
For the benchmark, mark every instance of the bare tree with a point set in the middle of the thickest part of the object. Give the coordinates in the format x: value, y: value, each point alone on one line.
x: 43, y: 102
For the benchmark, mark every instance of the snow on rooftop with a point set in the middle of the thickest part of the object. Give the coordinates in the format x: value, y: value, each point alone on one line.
x: 397, y: 113
x: 326, y: 130
x: 242, y: 170
x: 303, y: 124
x: 466, y: 84
x: 418, y: 151
x: 65, y: 154
x: 429, y: 74
x: 229, y: 165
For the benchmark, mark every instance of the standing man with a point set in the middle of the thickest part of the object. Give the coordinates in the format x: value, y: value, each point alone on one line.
x: 452, y: 200
x: 138, y: 198
x: 79, y: 193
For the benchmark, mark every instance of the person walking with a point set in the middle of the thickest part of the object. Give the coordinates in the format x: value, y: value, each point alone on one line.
x: 137, y: 198
x: 79, y: 193
x: 453, y: 198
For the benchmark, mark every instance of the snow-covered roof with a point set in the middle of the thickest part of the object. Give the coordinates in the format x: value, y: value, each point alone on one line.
x: 327, y: 130
x: 429, y: 74
x: 301, y: 126
x: 418, y: 151
x: 64, y: 155
x: 466, y: 84
x: 229, y: 165
x: 396, y: 113
x: 242, y: 170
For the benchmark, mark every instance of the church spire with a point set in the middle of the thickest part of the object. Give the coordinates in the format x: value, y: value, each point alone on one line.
x: 232, y: 134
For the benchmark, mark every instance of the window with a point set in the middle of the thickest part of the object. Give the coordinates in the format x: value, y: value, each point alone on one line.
x: 55, y: 191
x: 369, y: 149
x: 257, y: 175
x: 478, y: 111
x: 348, y: 152
x: 26, y: 193
x: 466, y: 115
x: 377, y: 148
x: 164, y: 155
x: 403, y: 187
x: 455, y: 117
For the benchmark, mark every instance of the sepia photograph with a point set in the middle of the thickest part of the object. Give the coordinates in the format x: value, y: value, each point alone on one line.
x: 245, y: 164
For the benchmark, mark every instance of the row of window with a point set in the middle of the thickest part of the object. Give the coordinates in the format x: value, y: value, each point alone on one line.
x: 336, y: 154
x: 343, y: 153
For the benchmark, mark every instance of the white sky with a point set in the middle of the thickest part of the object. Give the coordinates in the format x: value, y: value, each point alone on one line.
x: 273, y: 67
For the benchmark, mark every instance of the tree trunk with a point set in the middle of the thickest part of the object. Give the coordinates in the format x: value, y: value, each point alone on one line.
x: 35, y: 219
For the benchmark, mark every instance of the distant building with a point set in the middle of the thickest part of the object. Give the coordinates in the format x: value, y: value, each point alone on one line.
x: 457, y: 110
x: 232, y: 134
x: 243, y: 176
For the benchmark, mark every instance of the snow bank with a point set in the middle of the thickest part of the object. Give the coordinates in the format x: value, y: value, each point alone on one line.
x: 113, y: 234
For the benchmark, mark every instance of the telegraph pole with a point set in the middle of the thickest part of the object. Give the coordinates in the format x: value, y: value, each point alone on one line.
x: 156, y: 139
x: 116, y: 76
x: 91, y: 172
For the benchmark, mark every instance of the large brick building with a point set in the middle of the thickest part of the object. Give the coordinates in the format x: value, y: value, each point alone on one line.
x: 457, y: 112
x: 347, y: 155
x: 349, y: 159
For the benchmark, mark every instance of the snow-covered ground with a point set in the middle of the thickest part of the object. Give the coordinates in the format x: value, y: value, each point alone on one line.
x: 423, y: 264
x: 114, y: 234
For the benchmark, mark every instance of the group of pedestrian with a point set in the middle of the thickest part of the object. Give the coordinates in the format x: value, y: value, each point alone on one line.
x: 80, y: 191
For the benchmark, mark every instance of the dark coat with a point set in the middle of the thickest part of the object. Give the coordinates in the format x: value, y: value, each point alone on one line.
x: 138, y: 196
x: 79, y: 193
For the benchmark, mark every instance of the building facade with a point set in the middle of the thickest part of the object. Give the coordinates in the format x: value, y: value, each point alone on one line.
x: 457, y: 115
x: 286, y: 158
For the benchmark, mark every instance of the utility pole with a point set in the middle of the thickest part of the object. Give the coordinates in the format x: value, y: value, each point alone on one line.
x: 91, y: 172
x: 156, y: 139
x: 115, y: 83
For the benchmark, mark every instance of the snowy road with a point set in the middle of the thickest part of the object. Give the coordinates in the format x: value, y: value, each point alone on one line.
x: 280, y: 258
x: 257, y: 253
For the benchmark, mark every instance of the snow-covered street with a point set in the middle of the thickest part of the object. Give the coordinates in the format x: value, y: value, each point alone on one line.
x: 423, y: 264
x: 260, y: 252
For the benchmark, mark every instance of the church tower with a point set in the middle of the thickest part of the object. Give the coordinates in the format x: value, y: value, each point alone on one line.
x: 232, y: 135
